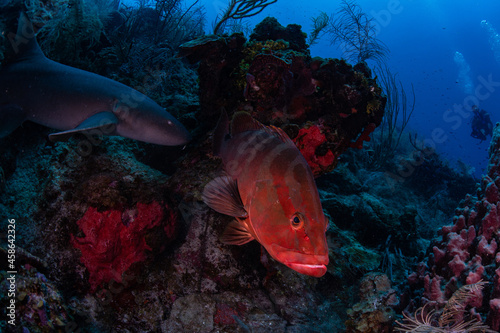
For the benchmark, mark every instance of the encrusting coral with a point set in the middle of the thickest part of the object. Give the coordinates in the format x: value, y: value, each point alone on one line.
x: 115, y: 239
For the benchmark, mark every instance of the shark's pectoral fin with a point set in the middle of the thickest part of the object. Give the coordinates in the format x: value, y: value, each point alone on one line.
x: 102, y: 123
x: 11, y: 117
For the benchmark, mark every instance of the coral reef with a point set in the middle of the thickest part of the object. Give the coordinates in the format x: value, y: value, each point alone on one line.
x: 368, y: 208
x: 114, y: 239
x: 270, y: 29
x: 467, y: 251
x: 349, y: 257
x: 52, y: 187
x: 100, y: 212
x: 273, y: 77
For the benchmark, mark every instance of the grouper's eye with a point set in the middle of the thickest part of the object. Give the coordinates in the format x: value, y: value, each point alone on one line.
x: 297, y: 221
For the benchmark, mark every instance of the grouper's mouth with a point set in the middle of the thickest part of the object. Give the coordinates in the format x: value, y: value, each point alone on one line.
x: 312, y: 270
x: 308, y: 264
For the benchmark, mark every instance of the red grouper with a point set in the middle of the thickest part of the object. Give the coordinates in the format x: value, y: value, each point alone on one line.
x: 270, y: 190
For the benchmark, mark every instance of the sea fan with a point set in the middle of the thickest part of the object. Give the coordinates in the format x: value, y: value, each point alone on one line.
x: 356, y: 34
x: 451, y: 319
x: 320, y: 23
x: 239, y: 9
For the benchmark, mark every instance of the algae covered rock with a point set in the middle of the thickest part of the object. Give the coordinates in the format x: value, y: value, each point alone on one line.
x: 374, y: 312
x: 39, y: 305
x: 271, y: 29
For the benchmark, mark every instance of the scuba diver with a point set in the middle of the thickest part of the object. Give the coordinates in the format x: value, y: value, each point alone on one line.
x: 481, y: 124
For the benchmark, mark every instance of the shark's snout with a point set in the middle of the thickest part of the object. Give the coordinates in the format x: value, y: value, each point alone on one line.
x: 178, y: 134
x: 149, y: 122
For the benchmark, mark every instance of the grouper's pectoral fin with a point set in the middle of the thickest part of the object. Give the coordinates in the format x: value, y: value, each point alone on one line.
x: 236, y: 233
x: 11, y: 117
x: 222, y: 195
x: 102, y: 123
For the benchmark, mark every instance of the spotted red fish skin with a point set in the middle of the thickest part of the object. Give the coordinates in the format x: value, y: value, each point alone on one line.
x: 275, y: 182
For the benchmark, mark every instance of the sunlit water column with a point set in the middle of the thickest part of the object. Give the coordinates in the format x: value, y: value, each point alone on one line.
x: 464, y: 76
x: 494, y: 39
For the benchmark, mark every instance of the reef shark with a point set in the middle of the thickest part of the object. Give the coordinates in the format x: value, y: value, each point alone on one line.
x: 35, y: 88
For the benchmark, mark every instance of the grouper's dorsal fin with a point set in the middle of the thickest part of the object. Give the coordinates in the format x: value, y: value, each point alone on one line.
x: 23, y: 42
x: 279, y: 133
x: 242, y: 121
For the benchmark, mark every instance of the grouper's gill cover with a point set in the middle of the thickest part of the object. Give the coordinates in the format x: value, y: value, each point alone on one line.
x: 270, y: 190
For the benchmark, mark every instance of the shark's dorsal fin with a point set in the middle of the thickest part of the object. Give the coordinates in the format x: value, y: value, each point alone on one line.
x: 102, y: 123
x: 24, y: 42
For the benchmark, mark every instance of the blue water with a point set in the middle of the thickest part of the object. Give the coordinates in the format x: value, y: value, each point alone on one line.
x: 423, y: 37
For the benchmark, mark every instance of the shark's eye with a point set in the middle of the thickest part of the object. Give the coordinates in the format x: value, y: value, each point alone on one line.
x: 297, y: 221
